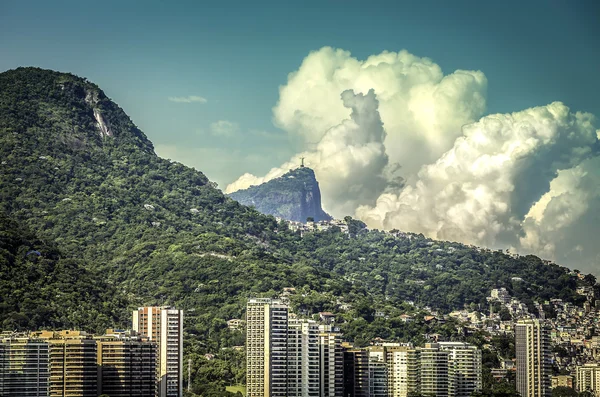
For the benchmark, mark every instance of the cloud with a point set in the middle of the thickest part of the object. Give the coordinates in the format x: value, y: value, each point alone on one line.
x: 525, y: 174
x: 349, y: 160
x: 224, y: 128
x: 188, y: 99
x: 421, y: 108
x: 408, y: 147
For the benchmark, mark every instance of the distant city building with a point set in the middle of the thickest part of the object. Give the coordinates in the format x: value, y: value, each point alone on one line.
x: 126, y: 365
x: 24, y: 367
x: 588, y: 378
x: 563, y: 381
x: 532, y: 343
x: 464, y: 368
x: 73, y: 369
x: 164, y: 326
x: 303, y: 358
x: 331, y: 362
x: 356, y: 373
x: 434, y: 371
x: 266, y: 348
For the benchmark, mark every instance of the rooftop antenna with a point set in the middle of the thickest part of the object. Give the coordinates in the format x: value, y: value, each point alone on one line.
x: 302, y: 162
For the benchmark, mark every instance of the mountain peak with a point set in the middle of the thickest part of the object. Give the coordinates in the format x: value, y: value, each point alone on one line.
x: 44, y: 99
x: 294, y: 196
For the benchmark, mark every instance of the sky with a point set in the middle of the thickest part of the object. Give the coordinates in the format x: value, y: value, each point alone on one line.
x: 239, y: 90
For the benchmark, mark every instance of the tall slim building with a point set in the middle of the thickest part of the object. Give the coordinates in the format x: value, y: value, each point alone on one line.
x: 331, y: 362
x: 24, y: 367
x: 588, y: 378
x: 403, y: 371
x: 126, y: 365
x: 378, y: 372
x: 356, y: 373
x: 434, y: 371
x: 164, y: 326
x: 303, y: 358
x: 464, y: 368
x: 532, y: 343
x: 266, y: 348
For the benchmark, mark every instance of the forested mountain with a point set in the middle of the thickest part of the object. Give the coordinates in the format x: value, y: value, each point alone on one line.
x: 78, y: 173
x: 295, y: 196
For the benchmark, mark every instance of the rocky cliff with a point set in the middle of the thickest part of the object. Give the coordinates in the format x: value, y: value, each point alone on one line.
x: 295, y: 196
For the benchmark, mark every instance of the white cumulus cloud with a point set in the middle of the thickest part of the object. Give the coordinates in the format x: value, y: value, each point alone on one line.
x: 407, y: 146
x: 422, y: 111
x: 349, y: 160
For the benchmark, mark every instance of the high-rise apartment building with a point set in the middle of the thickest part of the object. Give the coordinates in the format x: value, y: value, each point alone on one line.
x: 356, y: 373
x: 164, y: 326
x: 464, y: 368
x: 532, y: 343
x: 403, y: 371
x: 588, y: 379
x: 126, y: 365
x: 266, y: 348
x: 433, y: 371
x: 303, y: 375
x: 331, y: 361
x: 378, y: 372
x: 24, y: 367
x: 73, y: 369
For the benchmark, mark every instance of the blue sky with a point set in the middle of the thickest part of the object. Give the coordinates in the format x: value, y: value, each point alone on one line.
x: 237, y: 54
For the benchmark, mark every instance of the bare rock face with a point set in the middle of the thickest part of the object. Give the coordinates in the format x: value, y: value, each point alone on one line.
x: 295, y: 196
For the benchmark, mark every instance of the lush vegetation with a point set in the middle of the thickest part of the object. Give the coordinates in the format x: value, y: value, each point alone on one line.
x: 294, y: 196
x: 41, y: 288
x: 161, y: 233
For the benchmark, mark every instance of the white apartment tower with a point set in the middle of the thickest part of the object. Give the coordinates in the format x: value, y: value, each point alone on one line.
x: 303, y: 358
x: 464, y: 368
x: 266, y: 348
x: 532, y: 343
x: 164, y: 326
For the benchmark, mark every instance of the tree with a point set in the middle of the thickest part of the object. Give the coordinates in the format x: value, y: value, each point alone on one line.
x: 563, y: 391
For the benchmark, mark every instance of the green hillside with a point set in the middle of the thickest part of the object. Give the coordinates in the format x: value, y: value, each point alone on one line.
x: 161, y: 233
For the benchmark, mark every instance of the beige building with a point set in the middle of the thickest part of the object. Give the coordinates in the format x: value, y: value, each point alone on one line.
x: 73, y: 369
x: 588, y: 378
x: 331, y: 361
x: 126, y: 365
x: 532, y: 343
x: 266, y: 348
x: 465, y: 368
x: 563, y: 381
x: 164, y: 326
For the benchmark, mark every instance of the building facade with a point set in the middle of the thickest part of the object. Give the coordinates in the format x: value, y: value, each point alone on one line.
x: 588, y: 379
x: 433, y: 371
x: 266, y: 348
x: 126, y: 366
x: 331, y: 361
x: 24, y: 367
x: 73, y: 369
x: 164, y: 326
x: 465, y: 368
x: 303, y: 375
x: 532, y: 343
